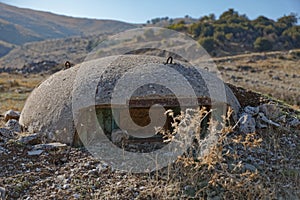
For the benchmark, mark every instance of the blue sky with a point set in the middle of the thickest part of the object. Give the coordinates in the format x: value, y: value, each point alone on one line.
x: 139, y: 11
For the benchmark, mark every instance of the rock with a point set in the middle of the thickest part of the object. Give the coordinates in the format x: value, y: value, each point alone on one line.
x: 249, y: 167
x: 2, y: 193
x: 277, y: 78
x: 6, y: 133
x: 271, y: 111
x: 66, y: 186
x: 3, y: 150
x: 49, y: 146
x: 35, y: 152
x: 102, y: 167
x: 11, y: 115
x: 294, y: 122
x: 262, y: 121
x: 33, y: 139
x: 13, y: 125
x: 282, y: 119
x: 76, y: 196
x: 118, y: 135
x: 247, y: 123
x: 251, y: 118
x: 251, y: 110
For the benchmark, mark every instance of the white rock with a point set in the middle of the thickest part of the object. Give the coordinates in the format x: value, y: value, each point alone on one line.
x: 66, y: 186
x: 247, y: 123
x: 49, y: 146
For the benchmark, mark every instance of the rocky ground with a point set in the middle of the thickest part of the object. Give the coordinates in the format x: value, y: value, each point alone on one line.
x: 243, y: 166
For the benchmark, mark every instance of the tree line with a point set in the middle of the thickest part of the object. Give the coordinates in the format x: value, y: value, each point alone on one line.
x: 234, y: 33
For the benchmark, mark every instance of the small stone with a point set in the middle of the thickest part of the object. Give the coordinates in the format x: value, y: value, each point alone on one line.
x: 277, y: 78
x: 11, y: 115
x: 2, y: 193
x: 247, y: 123
x: 102, y: 168
x: 262, y: 118
x: 35, y: 152
x: 60, y: 177
x: 294, y: 122
x: 249, y: 167
x: 251, y: 110
x: 76, y: 196
x: 117, y: 136
x: 49, y: 146
x: 282, y: 119
x: 271, y: 111
x: 6, y: 133
x: 13, y: 125
x: 31, y: 139
x: 66, y: 186
x: 3, y: 150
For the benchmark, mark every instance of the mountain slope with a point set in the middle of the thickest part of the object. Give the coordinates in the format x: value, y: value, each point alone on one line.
x: 18, y: 26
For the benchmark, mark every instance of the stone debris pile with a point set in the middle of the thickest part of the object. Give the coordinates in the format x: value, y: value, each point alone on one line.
x: 260, y: 117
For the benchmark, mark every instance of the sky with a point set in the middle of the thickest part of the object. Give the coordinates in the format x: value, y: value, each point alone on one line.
x: 139, y: 11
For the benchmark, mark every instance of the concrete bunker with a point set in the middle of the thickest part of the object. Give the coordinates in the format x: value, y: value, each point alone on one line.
x: 90, y: 87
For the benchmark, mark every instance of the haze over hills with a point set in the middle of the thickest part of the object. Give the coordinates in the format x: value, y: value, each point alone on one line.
x: 18, y: 26
x: 29, y: 38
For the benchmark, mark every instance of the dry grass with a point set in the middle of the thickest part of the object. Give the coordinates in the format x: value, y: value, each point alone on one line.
x: 237, y: 166
x: 275, y: 74
x: 15, y: 89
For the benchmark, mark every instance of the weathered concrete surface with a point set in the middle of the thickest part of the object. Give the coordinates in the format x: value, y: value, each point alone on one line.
x: 49, y: 108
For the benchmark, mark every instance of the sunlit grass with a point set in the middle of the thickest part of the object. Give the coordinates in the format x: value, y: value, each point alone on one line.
x: 14, y: 90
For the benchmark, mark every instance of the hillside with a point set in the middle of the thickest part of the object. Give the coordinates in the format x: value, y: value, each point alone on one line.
x: 233, y: 33
x: 18, y: 26
x: 59, y: 51
x: 28, y: 36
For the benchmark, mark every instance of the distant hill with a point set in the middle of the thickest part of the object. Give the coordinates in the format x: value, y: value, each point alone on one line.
x: 29, y: 38
x: 73, y: 49
x: 19, y: 26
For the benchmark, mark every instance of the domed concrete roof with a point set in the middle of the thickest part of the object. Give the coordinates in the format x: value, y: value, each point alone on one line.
x: 106, y: 81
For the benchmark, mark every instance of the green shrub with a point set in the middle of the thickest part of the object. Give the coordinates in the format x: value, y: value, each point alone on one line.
x: 208, y: 43
x: 262, y: 44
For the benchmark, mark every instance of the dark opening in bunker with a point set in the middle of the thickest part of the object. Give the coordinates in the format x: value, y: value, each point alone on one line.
x: 139, y: 114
